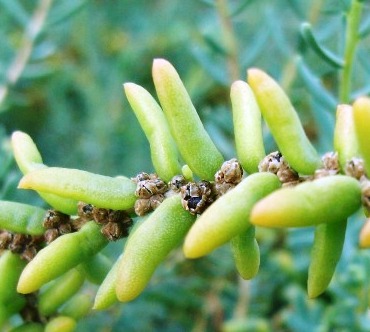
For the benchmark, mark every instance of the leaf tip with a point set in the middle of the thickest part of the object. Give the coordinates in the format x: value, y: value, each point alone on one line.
x: 24, y: 183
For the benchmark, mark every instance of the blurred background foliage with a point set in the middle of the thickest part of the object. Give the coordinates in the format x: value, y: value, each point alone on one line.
x: 62, y: 65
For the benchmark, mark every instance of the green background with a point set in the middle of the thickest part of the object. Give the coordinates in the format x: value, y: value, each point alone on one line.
x: 69, y: 98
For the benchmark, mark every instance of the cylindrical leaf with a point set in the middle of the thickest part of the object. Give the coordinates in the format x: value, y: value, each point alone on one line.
x: 325, y: 200
x: 60, y: 292
x: 325, y: 254
x: 103, y: 191
x: 283, y: 122
x: 61, y: 255
x: 345, y: 139
x: 77, y: 307
x: 361, y: 113
x: 246, y: 253
x: 21, y: 218
x: 152, y: 120
x: 193, y: 142
x: 29, y: 159
x: 11, y: 266
x: 247, y: 126
x: 150, y: 244
x: 96, y: 268
x: 106, y: 294
x: 61, y: 323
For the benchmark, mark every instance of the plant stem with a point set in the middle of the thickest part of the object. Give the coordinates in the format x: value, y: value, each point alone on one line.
x: 230, y: 42
x: 314, y: 11
x: 352, y: 38
x: 242, y: 306
x: 31, y: 32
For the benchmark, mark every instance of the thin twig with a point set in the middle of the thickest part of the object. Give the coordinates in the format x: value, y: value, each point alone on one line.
x: 242, y: 306
x: 352, y: 38
x: 30, y: 34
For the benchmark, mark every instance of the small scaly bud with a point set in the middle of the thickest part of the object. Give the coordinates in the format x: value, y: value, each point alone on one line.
x: 276, y: 164
x: 55, y: 218
x: 355, y: 168
x: 196, y: 196
x: 114, y: 231
x: 85, y: 211
x: 100, y: 215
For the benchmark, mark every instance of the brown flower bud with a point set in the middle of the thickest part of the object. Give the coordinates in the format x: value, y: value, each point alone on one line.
x: 276, y: 164
x: 29, y: 253
x: 114, y: 231
x: 223, y: 188
x: 230, y: 172
x: 128, y: 223
x: 18, y: 243
x: 330, y: 164
x: 330, y: 161
x: 117, y: 216
x: 85, y: 211
x: 155, y: 201
x: 177, y: 182
x: 142, y: 206
x: 151, y: 187
x: 77, y: 223
x: 100, y: 215
x: 36, y: 240
x: 196, y: 196
x: 51, y: 234
x: 141, y: 177
x: 5, y: 239
x: 286, y: 174
x: 355, y: 168
x: 54, y: 218
x: 271, y: 163
x: 322, y: 172
x: 65, y: 229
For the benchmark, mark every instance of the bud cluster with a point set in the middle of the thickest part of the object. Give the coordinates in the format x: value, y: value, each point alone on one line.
x: 25, y: 245
x: 115, y: 223
x: 150, y: 191
x: 56, y: 224
x: 229, y: 175
x: 275, y: 163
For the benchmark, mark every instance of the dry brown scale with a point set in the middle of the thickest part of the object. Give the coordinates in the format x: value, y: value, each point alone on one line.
x: 56, y: 224
x: 355, y: 168
x: 114, y: 231
x: 50, y: 235
x: 115, y: 223
x: 150, y: 190
x: 176, y: 183
x: 276, y: 164
x: 197, y: 196
x: 5, y: 239
x: 330, y: 162
x: 26, y: 246
x: 85, y: 211
x: 23, y: 244
x: 229, y: 175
